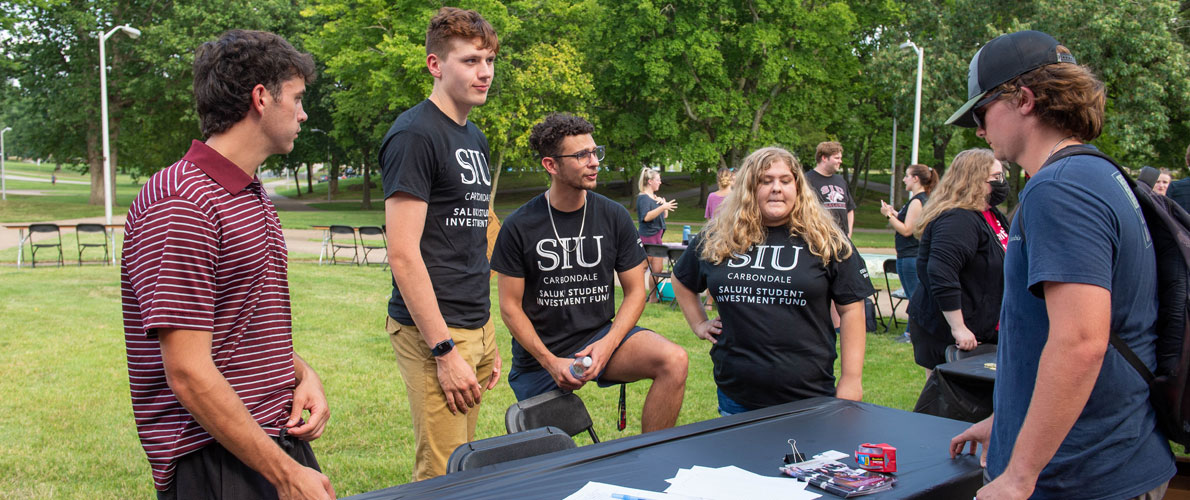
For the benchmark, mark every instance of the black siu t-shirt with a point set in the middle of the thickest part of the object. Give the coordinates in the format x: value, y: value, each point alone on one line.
x: 778, y: 343
x: 569, y: 292
x: 429, y: 156
x: 834, y: 195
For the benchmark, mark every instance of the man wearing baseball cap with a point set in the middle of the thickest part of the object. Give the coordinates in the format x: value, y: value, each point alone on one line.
x: 1072, y: 418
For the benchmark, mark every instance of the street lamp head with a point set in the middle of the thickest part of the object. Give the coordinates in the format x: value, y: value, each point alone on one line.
x: 6, y: 129
x: 909, y: 44
x: 132, y: 32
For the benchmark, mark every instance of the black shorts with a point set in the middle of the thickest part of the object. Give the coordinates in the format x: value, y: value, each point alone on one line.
x: 213, y: 472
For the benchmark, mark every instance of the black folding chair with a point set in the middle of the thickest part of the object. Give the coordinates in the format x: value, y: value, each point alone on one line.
x: 659, y: 278
x: 895, y: 297
x: 34, y: 229
x: 556, y: 408
x: 673, y: 255
x: 343, y: 232
x: 376, y: 233
x: 953, y: 353
x: 508, y: 447
x: 83, y: 245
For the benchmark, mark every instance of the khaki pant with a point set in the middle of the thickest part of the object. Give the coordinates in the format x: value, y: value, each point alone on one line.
x: 435, y: 429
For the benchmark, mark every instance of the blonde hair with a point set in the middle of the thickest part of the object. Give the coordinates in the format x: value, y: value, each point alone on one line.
x: 724, y: 177
x: 961, y: 187
x: 646, y: 174
x: 737, y: 226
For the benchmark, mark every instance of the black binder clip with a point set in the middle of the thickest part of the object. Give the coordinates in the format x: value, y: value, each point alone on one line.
x: 796, y: 456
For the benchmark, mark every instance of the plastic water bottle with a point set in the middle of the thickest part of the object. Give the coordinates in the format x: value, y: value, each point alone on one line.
x: 686, y: 235
x: 579, y: 366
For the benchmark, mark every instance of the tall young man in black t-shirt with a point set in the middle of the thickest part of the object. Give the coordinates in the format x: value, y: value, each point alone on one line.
x: 436, y: 187
x: 556, y: 256
x: 830, y: 186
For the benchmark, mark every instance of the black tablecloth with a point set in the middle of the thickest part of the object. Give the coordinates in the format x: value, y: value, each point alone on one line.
x: 961, y: 389
x: 755, y: 441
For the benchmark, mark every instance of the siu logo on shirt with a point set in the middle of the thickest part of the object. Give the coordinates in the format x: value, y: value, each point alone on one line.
x: 554, y: 256
x: 776, y: 262
x: 833, y: 194
x: 474, y: 165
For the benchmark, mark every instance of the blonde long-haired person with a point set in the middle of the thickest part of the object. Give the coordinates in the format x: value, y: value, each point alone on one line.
x: 651, y: 211
x: 960, y: 260
x: 773, y: 260
x: 725, y: 177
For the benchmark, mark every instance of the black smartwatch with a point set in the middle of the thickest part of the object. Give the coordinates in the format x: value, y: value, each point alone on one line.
x: 442, y: 348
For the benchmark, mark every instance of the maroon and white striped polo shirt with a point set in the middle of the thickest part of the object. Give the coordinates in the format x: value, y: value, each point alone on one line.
x: 203, y: 250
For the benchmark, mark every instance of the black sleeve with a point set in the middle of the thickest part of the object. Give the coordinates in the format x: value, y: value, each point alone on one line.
x: 953, y: 242
x: 629, y: 250
x: 407, y: 165
x: 689, y: 268
x: 508, y: 255
x: 850, y: 281
x: 850, y: 198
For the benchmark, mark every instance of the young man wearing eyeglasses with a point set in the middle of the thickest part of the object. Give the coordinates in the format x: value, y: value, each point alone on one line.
x: 1072, y: 417
x: 557, y: 257
x: 436, y: 186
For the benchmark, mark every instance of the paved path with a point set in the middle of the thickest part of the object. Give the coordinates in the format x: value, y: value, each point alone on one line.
x: 19, y: 177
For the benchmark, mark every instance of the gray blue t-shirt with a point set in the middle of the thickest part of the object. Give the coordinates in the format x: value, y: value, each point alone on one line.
x: 1079, y: 223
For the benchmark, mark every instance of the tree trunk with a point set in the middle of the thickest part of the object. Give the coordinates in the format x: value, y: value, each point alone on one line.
x: 702, y: 192
x: 333, y: 175
x: 95, y: 163
x: 496, y: 178
x: 113, y: 134
x: 366, y: 203
x: 297, y: 181
x: 310, y: 178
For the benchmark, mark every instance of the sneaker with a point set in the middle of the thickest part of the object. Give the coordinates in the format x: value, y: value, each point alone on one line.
x: 903, y: 339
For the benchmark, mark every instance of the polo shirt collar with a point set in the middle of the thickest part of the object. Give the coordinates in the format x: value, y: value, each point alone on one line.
x: 230, y: 176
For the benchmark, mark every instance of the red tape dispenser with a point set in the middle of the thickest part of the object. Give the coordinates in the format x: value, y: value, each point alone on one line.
x: 877, y: 457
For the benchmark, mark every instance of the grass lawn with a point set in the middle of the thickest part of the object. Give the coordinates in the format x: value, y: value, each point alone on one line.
x: 58, y: 201
x: 68, y: 430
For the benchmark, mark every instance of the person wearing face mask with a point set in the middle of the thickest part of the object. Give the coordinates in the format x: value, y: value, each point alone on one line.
x: 960, y: 260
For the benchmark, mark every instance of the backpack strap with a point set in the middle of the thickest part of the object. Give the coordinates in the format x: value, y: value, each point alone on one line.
x: 1115, y: 340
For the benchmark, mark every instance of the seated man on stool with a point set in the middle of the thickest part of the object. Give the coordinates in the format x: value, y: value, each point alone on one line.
x: 556, y: 256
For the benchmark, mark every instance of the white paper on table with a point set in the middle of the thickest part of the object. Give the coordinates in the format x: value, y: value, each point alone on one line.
x: 733, y: 482
x: 604, y: 491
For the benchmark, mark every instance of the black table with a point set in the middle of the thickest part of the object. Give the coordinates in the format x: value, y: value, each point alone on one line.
x: 754, y: 441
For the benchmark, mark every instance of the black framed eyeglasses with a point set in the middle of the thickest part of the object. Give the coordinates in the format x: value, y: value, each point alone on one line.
x: 978, y: 110
x: 585, y: 155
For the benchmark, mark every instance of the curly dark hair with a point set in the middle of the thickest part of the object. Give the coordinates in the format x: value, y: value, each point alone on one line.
x: 547, y: 136
x: 226, y: 70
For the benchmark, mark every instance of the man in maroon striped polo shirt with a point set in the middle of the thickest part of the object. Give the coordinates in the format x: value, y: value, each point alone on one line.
x: 217, y: 390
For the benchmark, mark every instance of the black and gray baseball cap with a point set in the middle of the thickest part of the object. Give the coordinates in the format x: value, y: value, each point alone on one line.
x: 1002, y: 59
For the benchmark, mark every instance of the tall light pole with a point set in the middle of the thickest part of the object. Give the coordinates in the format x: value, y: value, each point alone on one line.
x: 917, y: 100
x: 3, y: 185
x: 107, y: 160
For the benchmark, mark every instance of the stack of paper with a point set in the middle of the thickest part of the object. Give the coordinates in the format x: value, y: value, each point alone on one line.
x: 732, y: 482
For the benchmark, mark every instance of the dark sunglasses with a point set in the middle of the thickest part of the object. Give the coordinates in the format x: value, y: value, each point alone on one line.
x: 978, y: 112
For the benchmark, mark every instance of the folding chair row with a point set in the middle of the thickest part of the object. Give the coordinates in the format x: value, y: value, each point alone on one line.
x: 357, y: 243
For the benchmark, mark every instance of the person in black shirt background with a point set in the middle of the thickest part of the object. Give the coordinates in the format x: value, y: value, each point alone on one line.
x: 919, y: 180
x: 774, y: 260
